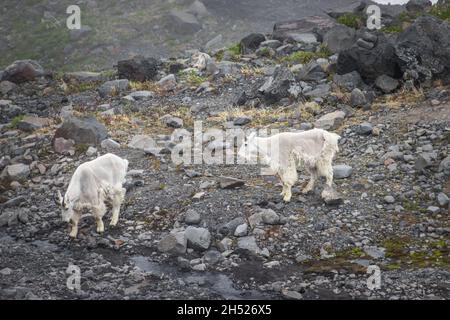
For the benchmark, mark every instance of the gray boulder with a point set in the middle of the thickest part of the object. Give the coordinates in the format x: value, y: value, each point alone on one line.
x: 311, y: 72
x: 251, y: 42
x: 138, y: 69
x: 386, y: 84
x: 174, y: 243
x: 198, y: 238
x: 330, y: 121
x: 277, y: 86
x: 288, y: 30
x: 16, y: 172
x: 358, y: 98
x: 339, y: 38
x: 113, y: 87
x: 22, y: 71
x: 85, y: 130
x: 417, y: 6
x: 348, y: 81
x: 31, y: 123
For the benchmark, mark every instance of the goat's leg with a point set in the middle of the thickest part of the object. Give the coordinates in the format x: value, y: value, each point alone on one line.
x: 98, y: 212
x: 117, y: 200
x: 311, y: 182
x: 288, y: 177
x: 327, y: 172
x: 74, y: 221
x: 329, y: 176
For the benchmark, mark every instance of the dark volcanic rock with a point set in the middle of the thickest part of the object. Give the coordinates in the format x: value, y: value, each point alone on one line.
x: 22, y: 71
x: 370, y: 63
x: 277, y: 86
x: 138, y: 68
x: 424, y: 49
x: 251, y: 42
x: 82, y: 131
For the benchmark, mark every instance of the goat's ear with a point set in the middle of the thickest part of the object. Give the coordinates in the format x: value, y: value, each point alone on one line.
x: 59, y: 200
x: 251, y: 136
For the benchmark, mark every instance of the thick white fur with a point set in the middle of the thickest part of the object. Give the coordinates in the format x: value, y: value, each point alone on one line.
x: 285, y: 152
x: 93, y: 183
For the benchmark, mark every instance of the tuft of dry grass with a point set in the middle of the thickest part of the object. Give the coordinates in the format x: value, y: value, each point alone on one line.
x: 400, y: 98
x: 147, y: 86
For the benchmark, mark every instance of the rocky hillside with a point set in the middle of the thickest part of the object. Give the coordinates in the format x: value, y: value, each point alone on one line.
x: 113, y: 30
x: 223, y: 231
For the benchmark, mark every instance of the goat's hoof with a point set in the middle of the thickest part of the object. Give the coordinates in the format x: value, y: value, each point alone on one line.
x: 100, y: 230
x: 73, y: 235
x: 287, y: 199
x: 113, y: 223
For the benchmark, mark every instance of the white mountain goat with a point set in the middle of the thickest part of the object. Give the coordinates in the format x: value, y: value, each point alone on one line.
x: 284, y: 152
x: 93, y: 183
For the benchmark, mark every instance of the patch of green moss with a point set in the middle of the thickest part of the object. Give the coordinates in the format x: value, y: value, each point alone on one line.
x: 350, y: 20
x: 299, y: 57
x: 15, y: 121
x: 192, y: 78
x: 392, y: 29
x: 235, y: 49
x: 395, y: 247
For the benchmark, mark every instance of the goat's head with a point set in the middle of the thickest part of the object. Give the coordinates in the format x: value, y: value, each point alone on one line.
x: 249, y: 148
x: 66, y: 211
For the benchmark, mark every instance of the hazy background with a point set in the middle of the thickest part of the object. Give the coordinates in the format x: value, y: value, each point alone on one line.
x: 112, y: 30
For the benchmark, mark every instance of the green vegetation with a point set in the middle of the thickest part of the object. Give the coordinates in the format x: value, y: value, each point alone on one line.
x: 305, y: 56
x: 429, y: 254
x: 235, y: 49
x: 264, y: 52
x: 350, y: 20
x: 192, y: 78
x: 392, y: 29
x: 299, y: 57
x: 441, y: 11
x: 15, y: 121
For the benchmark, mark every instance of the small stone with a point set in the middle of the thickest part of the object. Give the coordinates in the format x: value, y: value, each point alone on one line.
x: 375, y: 252
x: 248, y: 243
x: 212, y: 257
x: 331, y: 197
x: 230, y: 183
x: 109, y: 144
x: 174, y: 243
x: 6, y: 272
x: 433, y: 209
x: 342, y: 171
x: 192, y: 217
x: 91, y: 151
x: 422, y: 161
x: 389, y: 199
x: 442, y: 199
x: 364, y: 128
x: 358, y: 98
x: 293, y: 295
x: 270, y: 217
x: 241, y: 230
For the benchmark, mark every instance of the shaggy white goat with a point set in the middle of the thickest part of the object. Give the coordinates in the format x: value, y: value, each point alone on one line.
x: 93, y: 183
x: 284, y: 152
